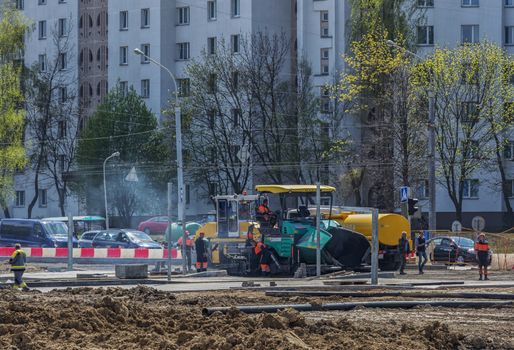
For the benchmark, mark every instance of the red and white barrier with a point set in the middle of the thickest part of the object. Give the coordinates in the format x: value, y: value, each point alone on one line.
x: 99, y: 253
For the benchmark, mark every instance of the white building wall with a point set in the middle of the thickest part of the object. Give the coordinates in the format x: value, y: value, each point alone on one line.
x: 51, y: 12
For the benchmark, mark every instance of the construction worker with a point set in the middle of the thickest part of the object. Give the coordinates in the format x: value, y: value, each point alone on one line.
x: 17, y: 261
x: 403, y: 250
x: 265, y: 260
x: 201, y: 246
x: 421, y: 252
x: 482, y: 256
x: 189, y: 249
x: 266, y: 216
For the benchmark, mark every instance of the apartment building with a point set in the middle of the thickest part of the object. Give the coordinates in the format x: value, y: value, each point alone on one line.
x: 53, y: 21
x: 449, y: 23
x: 173, y: 32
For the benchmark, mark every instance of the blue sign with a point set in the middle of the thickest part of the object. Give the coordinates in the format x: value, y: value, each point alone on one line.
x: 404, y: 194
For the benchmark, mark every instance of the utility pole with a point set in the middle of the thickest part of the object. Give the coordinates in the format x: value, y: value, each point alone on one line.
x: 318, y: 230
x: 432, y: 221
x: 170, y: 191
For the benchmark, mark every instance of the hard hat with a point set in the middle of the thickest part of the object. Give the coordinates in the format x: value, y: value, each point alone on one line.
x: 481, y: 234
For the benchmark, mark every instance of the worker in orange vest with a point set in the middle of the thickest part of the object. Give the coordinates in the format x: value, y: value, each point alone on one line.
x: 265, y: 260
x: 201, y: 247
x: 189, y: 249
x: 482, y: 255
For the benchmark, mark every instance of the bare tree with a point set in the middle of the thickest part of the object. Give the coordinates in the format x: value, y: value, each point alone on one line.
x: 52, y: 113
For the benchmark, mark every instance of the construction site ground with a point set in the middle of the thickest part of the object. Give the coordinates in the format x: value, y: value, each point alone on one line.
x: 169, y: 316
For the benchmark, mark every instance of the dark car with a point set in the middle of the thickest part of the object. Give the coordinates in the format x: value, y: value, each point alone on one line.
x: 124, y: 239
x: 34, y: 233
x: 86, y: 240
x: 155, y: 225
x: 454, y: 249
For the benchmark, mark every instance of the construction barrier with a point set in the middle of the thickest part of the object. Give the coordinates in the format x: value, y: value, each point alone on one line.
x: 96, y: 253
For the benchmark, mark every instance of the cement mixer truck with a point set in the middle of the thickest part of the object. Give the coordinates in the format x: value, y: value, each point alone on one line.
x: 390, y: 228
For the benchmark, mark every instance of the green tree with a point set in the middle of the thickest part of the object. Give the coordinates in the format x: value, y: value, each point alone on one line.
x: 13, y: 27
x: 123, y: 123
x: 472, y: 89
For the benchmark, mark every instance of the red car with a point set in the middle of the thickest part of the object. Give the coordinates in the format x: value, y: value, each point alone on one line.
x: 155, y: 225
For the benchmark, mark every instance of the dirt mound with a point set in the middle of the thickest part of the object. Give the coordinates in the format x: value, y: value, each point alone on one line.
x: 145, y: 318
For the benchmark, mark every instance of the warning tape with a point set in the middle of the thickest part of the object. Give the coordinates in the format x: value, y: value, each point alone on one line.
x: 96, y: 253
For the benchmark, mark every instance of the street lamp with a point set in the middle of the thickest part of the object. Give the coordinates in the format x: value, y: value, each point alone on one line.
x: 115, y: 154
x: 180, y: 169
x: 432, y: 223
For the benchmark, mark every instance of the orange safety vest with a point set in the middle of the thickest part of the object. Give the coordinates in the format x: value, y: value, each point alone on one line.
x: 258, y: 248
x: 481, y: 246
x: 189, y: 242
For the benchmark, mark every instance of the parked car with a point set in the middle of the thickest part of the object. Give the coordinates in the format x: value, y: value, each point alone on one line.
x: 454, y: 249
x: 34, y: 233
x: 123, y: 239
x: 86, y: 240
x: 155, y: 225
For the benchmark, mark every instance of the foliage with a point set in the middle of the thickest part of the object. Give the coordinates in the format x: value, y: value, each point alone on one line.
x: 13, y: 27
x: 471, y: 84
x: 123, y: 123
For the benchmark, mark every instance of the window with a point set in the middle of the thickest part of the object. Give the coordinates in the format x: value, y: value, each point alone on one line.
x: 188, y: 194
x: 236, y: 117
x: 425, y: 3
x: 145, y: 88
x: 235, y: 80
x: 183, y: 51
x: 509, y: 35
x: 469, y: 112
x: 61, y: 28
x: 324, y: 103
x: 182, y: 15
x: 211, y: 83
x: 234, y: 43
x: 473, y: 150
x: 509, y: 188
x: 20, y: 4
x: 470, y: 188
x: 425, y: 35
x: 211, y: 10
x: 213, y: 189
x: 508, y: 150
x: 62, y: 1
x: 470, y: 3
x: 42, y: 198
x: 63, y: 61
x: 235, y: 9
x: 42, y: 62
x: 63, y: 94
x: 211, y: 45
x: 123, y: 20
x: 20, y: 198
x: 61, y: 129
x: 324, y: 61
x: 184, y: 87
x: 509, y: 3
x: 123, y: 55
x: 211, y: 118
x: 324, y: 24
x: 42, y: 29
x: 145, y: 18
x: 41, y: 2
x: 146, y: 51
x: 124, y: 87
x: 423, y: 189
x: 469, y: 34
x: 62, y: 162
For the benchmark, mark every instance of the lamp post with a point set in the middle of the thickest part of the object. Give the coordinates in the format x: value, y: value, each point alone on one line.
x: 115, y: 154
x: 432, y: 223
x: 180, y: 168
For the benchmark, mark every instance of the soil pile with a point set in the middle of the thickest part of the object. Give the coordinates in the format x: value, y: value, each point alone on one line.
x: 145, y: 318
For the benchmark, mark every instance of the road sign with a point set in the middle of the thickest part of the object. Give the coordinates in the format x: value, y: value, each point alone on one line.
x: 404, y: 194
x: 456, y: 226
x: 478, y: 223
x: 132, y: 175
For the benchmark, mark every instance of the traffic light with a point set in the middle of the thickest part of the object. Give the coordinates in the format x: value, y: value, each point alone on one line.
x: 412, y: 206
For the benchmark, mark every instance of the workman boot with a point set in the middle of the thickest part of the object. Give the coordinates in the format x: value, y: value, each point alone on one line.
x: 480, y: 278
x: 485, y: 278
